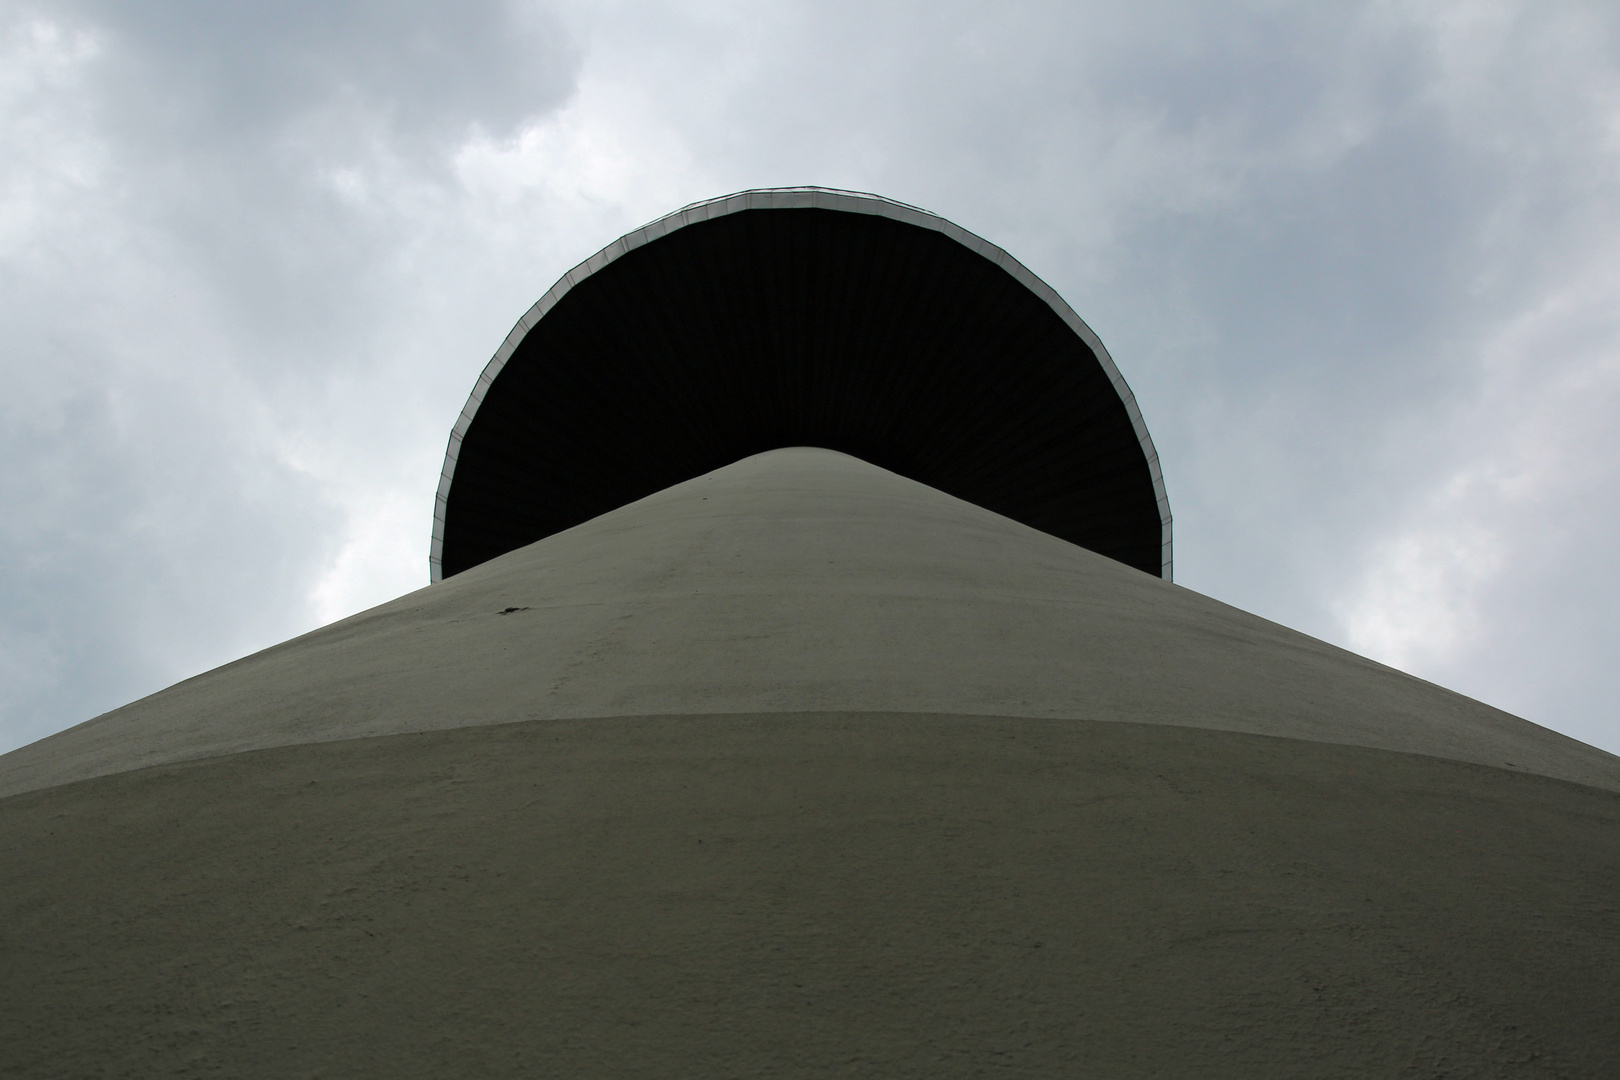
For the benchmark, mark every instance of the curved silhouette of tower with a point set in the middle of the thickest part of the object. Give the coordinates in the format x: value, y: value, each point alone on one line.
x: 802, y: 689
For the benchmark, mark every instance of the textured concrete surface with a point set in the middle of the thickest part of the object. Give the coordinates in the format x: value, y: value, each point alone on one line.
x: 799, y: 580
x: 812, y: 895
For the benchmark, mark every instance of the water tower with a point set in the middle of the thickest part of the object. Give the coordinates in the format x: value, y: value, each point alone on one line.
x: 802, y: 690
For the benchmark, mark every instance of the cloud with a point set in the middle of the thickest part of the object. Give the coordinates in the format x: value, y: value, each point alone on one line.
x: 210, y: 75
x: 1496, y: 572
x: 1354, y: 259
x: 197, y: 388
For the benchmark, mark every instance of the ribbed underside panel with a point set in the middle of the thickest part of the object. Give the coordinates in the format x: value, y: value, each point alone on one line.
x: 764, y: 329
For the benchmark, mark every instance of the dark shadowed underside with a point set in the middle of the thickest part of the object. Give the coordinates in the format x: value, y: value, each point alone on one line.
x: 763, y: 328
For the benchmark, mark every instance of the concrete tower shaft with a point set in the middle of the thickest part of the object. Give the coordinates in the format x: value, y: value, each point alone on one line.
x: 800, y: 581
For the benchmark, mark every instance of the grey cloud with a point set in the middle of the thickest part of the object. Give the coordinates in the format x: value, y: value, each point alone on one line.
x: 134, y: 557
x: 233, y: 121
x: 1304, y: 232
x: 181, y: 309
x: 1351, y: 258
x: 223, y: 70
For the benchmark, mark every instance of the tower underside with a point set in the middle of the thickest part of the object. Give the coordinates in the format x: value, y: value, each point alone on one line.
x: 801, y: 317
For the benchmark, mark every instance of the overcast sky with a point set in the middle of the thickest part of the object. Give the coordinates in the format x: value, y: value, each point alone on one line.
x: 1359, y: 262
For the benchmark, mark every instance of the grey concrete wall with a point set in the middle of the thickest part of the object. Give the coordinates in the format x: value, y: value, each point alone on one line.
x: 799, y: 581
x: 860, y: 896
